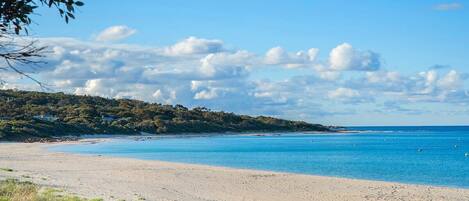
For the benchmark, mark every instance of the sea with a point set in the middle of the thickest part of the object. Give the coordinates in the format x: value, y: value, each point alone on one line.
x: 430, y: 155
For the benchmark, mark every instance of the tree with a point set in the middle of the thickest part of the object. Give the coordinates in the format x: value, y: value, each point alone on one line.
x: 14, y: 22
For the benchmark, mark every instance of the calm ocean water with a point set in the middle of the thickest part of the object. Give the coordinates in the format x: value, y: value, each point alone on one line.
x: 419, y: 155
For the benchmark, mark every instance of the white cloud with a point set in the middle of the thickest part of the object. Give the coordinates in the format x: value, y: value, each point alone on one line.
x: 278, y: 56
x: 450, y: 81
x: 426, y: 86
x: 158, y: 94
x: 329, y: 75
x: 115, y: 33
x: 430, y: 78
x: 350, y: 96
x: 345, y: 57
x: 224, y: 64
x: 201, y: 72
x: 312, y: 54
x: 326, y: 73
x: 343, y: 93
x: 196, y: 84
x: 150, y: 74
x: 448, y: 6
x: 165, y: 96
x: 193, y: 45
x: 206, y: 94
x: 275, y: 55
x: 382, y: 76
x: 97, y: 87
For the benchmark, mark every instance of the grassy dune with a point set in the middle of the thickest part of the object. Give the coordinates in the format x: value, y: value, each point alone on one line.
x: 14, y: 190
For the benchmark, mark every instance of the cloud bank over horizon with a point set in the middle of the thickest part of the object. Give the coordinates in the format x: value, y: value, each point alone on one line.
x: 346, y: 81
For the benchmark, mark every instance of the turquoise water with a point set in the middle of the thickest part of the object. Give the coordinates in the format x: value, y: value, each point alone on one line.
x: 419, y: 155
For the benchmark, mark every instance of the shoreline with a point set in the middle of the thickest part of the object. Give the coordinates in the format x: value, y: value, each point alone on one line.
x: 107, y: 138
x: 100, y: 140
x: 112, y: 178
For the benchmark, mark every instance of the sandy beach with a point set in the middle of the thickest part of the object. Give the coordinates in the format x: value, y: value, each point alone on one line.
x: 130, y: 179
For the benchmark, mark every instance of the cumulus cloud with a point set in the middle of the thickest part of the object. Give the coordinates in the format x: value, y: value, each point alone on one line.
x: 167, y: 96
x: 348, y: 95
x: 425, y: 86
x: 202, y: 72
x: 224, y: 64
x: 448, y: 6
x: 193, y: 45
x: 343, y: 93
x: 195, y: 76
x: 97, y: 87
x: 450, y: 81
x: 345, y: 57
x: 206, y: 94
x: 326, y: 73
x: 115, y: 33
x: 383, y: 76
x: 116, y: 70
x: 278, y: 56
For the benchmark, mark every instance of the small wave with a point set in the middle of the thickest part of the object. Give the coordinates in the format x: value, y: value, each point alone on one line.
x: 373, y: 131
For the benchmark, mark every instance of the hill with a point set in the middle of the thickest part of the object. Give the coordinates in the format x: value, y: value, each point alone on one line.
x: 32, y: 116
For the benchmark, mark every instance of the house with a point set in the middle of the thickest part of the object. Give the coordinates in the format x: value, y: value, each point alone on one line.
x: 46, y: 117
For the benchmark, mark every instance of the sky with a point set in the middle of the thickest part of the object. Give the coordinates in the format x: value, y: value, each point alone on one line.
x: 390, y: 62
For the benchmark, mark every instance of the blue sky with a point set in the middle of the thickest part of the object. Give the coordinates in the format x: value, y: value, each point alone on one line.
x: 397, y: 29
x: 403, y: 40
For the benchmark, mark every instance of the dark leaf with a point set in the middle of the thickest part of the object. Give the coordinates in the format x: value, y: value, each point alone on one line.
x: 71, y: 15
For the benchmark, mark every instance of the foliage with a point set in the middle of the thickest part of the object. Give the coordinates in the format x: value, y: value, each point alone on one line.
x: 77, y: 115
x: 15, y: 14
x: 14, y: 190
x: 14, y: 19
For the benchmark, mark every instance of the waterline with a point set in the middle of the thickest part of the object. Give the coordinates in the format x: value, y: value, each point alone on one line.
x: 418, y: 155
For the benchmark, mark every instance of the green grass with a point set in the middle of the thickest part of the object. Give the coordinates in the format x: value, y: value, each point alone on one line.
x: 14, y: 190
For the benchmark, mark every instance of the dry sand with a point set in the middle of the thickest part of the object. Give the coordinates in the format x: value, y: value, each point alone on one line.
x: 130, y: 179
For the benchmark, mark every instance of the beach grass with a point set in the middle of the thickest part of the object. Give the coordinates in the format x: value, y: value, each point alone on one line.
x: 7, y: 169
x: 14, y: 190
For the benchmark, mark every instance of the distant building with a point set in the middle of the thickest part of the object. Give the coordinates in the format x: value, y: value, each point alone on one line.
x: 46, y: 117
